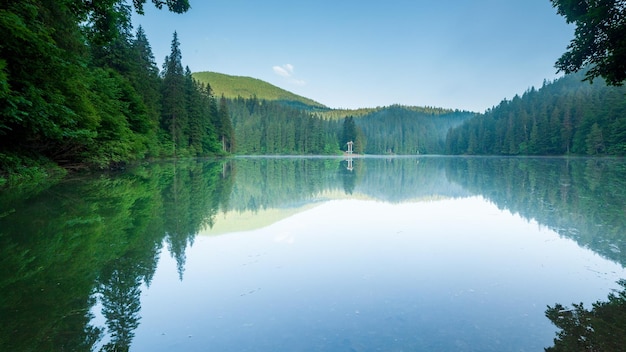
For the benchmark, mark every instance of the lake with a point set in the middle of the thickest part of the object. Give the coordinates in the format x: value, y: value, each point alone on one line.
x: 311, y: 254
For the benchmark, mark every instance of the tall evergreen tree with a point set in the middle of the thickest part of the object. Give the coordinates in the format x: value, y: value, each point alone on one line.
x: 349, y: 131
x: 195, y: 113
x: 212, y: 139
x: 225, y: 127
x: 174, y: 112
x: 146, y: 80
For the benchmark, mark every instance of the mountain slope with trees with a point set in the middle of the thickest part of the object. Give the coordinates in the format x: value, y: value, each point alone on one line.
x: 233, y: 87
x: 563, y: 117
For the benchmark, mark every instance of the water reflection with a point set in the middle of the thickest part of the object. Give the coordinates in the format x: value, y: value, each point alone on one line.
x: 92, y: 246
x: 83, y: 241
x: 601, y: 328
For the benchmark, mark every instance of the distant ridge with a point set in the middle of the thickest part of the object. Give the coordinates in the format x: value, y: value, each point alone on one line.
x: 246, y: 87
x: 239, y: 86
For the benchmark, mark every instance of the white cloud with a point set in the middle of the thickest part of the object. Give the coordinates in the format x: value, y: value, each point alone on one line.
x: 287, y: 71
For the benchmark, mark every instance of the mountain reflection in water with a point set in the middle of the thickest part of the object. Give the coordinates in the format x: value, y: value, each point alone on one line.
x: 397, y: 253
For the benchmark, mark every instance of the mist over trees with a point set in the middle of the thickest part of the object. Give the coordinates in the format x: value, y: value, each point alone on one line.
x: 563, y: 117
x: 408, y: 130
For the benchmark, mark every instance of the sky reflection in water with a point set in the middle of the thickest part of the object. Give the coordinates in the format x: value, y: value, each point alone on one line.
x: 362, y: 275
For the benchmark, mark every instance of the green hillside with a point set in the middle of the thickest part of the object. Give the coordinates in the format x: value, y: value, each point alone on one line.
x: 234, y: 86
x: 564, y: 117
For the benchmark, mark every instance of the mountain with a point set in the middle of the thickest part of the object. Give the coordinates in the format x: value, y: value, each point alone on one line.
x: 563, y: 117
x: 246, y: 87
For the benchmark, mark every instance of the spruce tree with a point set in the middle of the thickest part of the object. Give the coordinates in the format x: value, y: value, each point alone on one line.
x: 225, y: 127
x: 174, y: 112
x: 146, y: 81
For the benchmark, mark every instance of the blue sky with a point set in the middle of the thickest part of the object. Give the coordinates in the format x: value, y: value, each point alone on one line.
x: 349, y: 54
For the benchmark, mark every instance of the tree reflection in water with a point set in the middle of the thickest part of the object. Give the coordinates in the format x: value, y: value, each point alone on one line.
x: 120, y: 295
x: 602, y: 328
x: 65, y: 248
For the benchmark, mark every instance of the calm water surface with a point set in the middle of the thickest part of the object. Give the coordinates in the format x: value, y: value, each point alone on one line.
x: 295, y: 254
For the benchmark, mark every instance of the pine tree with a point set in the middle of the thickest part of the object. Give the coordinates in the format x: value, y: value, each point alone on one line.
x: 210, y: 143
x: 225, y: 127
x: 146, y: 80
x: 349, y: 131
x: 174, y: 111
x: 194, y: 113
x: 595, y: 141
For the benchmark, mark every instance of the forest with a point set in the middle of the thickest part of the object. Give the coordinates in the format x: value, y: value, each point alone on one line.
x: 275, y: 127
x: 52, y: 280
x: 79, y: 88
x: 564, y: 117
x: 270, y: 127
x: 407, y: 130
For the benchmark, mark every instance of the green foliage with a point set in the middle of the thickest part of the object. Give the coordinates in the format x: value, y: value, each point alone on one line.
x: 48, y: 107
x: 349, y: 131
x: 96, y: 239
x: 340, y: 114
x: 196, y: 126
x: 233, y: 87
x: 174, y: 117
x: 408, y: 130
x: 76, y: 88
x: 177, y: 6
x: 566, y: 116
x: 20, y: 170
x: 265, y: 127
x: 600, y: 39
x: 602, y: 328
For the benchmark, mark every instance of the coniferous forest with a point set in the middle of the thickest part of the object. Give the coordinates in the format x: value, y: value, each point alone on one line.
x: 564, y: 117
x: 267, y: 127
x: 408, y: 130
x: 80, y: 89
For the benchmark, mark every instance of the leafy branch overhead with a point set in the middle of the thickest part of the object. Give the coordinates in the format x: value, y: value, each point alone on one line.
x: 600, y: 38
x: 177, y: 6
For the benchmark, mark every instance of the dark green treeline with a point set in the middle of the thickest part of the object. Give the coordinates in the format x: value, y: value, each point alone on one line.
x: 80, y: 241
x: 564, y: 117
x: 265, y: 127
x: 79, y: 87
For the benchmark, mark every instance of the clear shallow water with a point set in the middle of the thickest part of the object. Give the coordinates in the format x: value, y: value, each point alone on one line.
x: 406, y: 254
